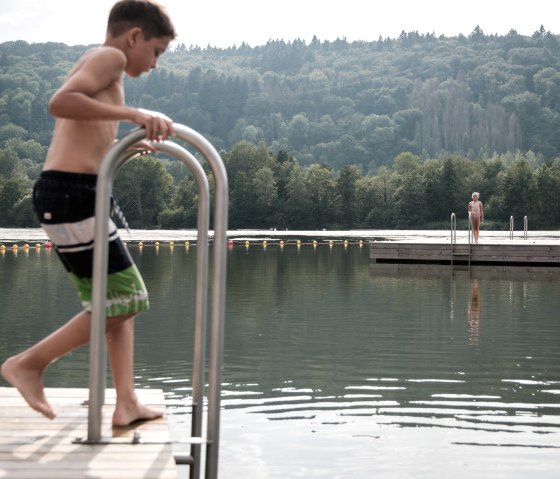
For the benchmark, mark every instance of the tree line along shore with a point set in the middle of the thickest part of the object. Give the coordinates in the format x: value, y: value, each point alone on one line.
x: 395, y: 133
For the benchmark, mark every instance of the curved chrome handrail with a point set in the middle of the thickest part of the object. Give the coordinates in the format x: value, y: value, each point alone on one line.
x: 114, y: 159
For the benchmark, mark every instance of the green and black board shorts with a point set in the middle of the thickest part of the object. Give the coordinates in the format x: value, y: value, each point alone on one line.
x: 65, y: 205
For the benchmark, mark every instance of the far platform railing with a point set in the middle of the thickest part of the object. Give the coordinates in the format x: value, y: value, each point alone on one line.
x: 525, y: 227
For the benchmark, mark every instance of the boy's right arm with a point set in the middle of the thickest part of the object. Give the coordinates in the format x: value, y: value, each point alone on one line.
x: 77, y: 99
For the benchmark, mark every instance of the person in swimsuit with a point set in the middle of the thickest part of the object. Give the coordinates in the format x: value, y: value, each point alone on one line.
x: 476, y: 214
x: 88, y: 108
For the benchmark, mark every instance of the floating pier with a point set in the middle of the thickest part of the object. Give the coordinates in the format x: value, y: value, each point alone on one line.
x: 33, y: 447
x: 514, y: 252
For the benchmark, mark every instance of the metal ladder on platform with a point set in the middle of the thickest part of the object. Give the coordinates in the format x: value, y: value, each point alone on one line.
x: 114, y: 159
x: 459, y: 255
x: 525, y: 227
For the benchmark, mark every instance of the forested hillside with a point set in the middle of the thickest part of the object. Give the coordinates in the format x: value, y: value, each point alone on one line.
x: 311, y: 132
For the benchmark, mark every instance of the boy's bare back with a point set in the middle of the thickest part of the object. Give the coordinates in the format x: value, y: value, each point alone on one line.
x: 90, y: 103
x: 79, y: 145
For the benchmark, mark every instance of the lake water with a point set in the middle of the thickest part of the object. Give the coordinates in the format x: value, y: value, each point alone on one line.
x: 335, y: 367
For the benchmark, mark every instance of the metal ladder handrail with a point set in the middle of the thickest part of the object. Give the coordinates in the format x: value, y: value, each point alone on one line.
x: 525, y: 227
x: 453, y: 230
x: 200, y: 299
x: 511, y: 227
x: 116, y: 156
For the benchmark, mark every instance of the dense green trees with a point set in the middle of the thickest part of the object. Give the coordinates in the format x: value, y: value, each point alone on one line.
x: 274, y: 191
x: 270, y: 191
x: 143, y: 190
x: 393, y: 133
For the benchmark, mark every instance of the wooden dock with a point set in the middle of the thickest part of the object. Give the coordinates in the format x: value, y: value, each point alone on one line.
x: 32, y: 447
x: 504, y: 252
x: 549, y: 274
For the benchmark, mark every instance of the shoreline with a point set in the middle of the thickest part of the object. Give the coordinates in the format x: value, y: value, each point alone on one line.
x: 10, y: 236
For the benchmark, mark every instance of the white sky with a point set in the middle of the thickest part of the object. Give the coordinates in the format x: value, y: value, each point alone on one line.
x: 223, y: 23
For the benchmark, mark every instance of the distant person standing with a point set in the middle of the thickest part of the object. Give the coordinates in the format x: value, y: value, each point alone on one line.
x: 476, y: 213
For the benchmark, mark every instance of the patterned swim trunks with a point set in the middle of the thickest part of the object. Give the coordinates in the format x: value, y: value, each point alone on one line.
x: 65, y: 205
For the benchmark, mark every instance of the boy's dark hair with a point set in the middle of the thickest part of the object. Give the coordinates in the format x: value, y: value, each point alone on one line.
x: 145, y: 14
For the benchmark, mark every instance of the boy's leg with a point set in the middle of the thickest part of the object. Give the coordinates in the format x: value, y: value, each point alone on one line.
x: 25, y: 370
x: 120, y: 341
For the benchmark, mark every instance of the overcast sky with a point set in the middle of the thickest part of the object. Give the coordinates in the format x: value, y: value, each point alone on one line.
x: 224, y: 23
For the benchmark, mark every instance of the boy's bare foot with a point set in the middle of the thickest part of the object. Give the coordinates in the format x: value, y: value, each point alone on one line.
x: 124, y: 416
x: 29, y: 383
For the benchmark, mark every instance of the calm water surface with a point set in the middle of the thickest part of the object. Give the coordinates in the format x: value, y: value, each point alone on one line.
x: 335, y: 367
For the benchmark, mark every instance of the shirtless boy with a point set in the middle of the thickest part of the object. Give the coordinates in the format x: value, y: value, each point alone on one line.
x: 87, y: 108
x: 476, y: 212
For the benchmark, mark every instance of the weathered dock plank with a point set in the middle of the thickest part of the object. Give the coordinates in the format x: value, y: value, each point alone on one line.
x: 32, y: 447
x: 518, y: 252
